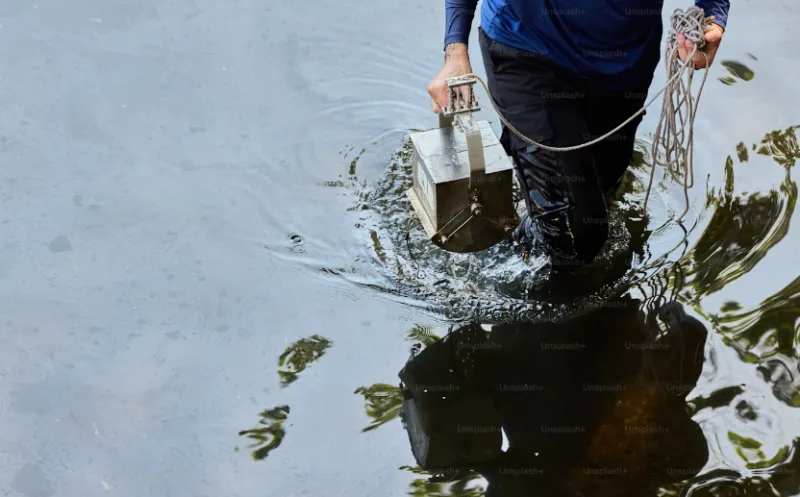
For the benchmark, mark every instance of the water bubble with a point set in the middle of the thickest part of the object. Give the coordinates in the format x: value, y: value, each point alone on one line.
x: 297, y: 243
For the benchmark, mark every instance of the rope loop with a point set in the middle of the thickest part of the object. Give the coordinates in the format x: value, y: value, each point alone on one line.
x: 690, y: 23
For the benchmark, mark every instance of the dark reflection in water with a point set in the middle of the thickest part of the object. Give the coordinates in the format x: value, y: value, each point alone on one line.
x: 589, y: 406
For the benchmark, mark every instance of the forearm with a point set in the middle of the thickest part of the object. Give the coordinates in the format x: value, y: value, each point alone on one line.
x: 458, y: 20
x: 717, y: 8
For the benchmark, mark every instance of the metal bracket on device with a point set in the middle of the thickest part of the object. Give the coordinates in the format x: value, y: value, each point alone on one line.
x: 457, y: 104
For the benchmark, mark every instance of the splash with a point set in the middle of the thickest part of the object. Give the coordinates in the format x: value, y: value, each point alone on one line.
x: 491, y: 286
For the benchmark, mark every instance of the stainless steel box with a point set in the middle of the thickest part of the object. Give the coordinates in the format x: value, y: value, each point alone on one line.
x: 441, y: 194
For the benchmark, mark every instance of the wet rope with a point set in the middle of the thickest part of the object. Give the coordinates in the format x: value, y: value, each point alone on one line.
x: 671, y: 133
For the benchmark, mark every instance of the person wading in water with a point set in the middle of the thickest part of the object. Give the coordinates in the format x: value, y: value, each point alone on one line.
x: 564, y: 72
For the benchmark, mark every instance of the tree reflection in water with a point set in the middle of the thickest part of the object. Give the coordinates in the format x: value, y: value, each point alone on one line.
x: 383, y: 401
x: 741, y: 232
x: 271, y: 435
x: 299, y: 355
x: 465, y: 484
x: 294, y: 360
x: 736, y: 72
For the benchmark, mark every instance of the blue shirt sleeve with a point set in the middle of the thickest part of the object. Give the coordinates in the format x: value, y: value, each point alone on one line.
x: 717, y: 8
x: 458, y: 20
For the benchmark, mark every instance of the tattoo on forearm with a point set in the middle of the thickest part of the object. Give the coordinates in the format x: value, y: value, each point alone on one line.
x: 450, y: 50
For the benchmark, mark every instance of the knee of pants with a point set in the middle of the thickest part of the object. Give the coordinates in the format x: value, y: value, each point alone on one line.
x: 567, y: 237
x: 539, y: 176
x: 569, y: 207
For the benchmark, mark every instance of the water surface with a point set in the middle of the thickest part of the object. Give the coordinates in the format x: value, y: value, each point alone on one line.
x: 203, y: 294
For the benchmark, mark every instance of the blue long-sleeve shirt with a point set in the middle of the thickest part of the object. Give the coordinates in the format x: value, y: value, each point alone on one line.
x: 616, y: 43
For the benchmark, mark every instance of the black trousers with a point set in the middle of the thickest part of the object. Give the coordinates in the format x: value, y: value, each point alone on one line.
x: 552, y: 106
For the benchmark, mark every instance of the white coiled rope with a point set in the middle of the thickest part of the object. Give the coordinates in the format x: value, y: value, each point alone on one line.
x: 678, y: 110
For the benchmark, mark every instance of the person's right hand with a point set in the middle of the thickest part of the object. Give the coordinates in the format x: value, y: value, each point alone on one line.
x: 456, y: 63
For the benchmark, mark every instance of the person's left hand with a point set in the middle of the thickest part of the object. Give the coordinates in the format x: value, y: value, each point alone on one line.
x: 713, y: 38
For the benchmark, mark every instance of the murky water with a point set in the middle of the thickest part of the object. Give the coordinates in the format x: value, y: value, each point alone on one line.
x: 211, y: 281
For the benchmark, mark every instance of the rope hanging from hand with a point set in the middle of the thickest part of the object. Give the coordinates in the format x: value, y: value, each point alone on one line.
x: 674, y: 135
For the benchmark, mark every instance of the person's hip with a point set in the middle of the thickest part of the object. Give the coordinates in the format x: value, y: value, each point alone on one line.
x: 602, y: 76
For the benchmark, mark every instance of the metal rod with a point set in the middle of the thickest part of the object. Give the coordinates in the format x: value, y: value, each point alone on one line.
x: 459, y: 228
x: 505, y: 227
x: 452, y: 219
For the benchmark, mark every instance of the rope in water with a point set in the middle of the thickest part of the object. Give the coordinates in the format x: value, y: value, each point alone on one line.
x: 692, y: 23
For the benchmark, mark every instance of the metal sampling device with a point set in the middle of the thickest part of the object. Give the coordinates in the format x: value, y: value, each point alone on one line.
x: 462, y: 188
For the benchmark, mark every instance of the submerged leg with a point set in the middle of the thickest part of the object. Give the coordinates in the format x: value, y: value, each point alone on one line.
x: 562, y: 191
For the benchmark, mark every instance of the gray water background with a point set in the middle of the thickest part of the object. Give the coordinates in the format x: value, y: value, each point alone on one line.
x: 166, y: 212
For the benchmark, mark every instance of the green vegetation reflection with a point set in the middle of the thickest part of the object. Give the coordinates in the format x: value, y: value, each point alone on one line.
x: 383, y: 403
x: 299, y: 355
x: 436, y: 485
x: 736, y: 72
x: 294, y: 360
x: 269, y: 436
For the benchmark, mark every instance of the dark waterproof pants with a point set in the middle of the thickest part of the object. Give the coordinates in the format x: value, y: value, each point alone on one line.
x: 552, y: 106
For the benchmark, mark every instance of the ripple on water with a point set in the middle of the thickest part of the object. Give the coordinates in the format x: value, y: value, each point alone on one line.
x: 373, y: 65
x: 375, y: 87
x: 391, y: 254
x: 493, y: 286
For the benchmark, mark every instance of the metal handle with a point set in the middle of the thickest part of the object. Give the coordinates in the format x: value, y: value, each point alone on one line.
x: 477, y: 163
